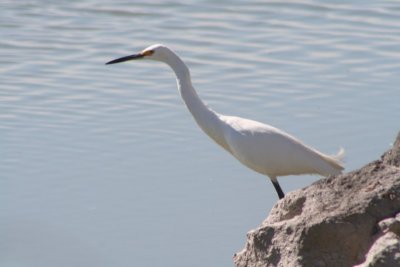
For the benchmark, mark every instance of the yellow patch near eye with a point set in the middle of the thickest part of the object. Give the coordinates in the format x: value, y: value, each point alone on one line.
x: 147, y: 53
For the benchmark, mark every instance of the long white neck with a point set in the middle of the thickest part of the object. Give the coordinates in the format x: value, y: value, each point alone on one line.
x: 207, y: 119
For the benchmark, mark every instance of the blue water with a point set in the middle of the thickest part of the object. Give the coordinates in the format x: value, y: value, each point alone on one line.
x: 104, y: 166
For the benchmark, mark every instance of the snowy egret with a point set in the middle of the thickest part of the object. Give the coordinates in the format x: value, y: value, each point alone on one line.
x: 261, y: 147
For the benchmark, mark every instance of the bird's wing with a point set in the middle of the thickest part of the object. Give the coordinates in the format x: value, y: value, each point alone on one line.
x: 273, y: 152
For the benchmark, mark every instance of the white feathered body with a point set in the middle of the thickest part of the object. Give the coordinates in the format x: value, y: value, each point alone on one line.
x: 273, y: 152
x: 260, y: 147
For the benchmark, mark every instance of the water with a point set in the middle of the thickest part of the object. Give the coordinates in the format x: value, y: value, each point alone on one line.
x: 104, y: 166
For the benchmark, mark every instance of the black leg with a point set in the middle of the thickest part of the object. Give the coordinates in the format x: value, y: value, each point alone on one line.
x: 278, y: 189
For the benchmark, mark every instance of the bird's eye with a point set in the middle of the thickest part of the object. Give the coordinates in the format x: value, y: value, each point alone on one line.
x: 148, y: 53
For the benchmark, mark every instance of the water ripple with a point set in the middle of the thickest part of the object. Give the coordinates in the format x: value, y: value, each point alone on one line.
x: 321, y: 70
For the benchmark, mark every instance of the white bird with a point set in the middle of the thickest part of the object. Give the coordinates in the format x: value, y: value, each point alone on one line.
x: 261, y: 147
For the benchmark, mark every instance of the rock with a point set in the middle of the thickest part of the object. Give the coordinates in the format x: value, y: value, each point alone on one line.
x: 338, y: 221
x: 390, y: 225
x: 385, y: 252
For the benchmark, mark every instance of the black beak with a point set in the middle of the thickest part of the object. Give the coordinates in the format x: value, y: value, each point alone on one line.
x: 123, y: 59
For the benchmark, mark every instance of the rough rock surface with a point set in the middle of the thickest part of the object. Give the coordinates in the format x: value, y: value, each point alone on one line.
x: 348, y: 220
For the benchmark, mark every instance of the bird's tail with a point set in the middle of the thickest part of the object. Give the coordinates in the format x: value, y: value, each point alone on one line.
x: 339, y: 157
x: 333, y: 164
x: 336, y: 161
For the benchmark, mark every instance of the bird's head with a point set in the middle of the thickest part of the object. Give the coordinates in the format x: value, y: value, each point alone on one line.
x: 155, y: 52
